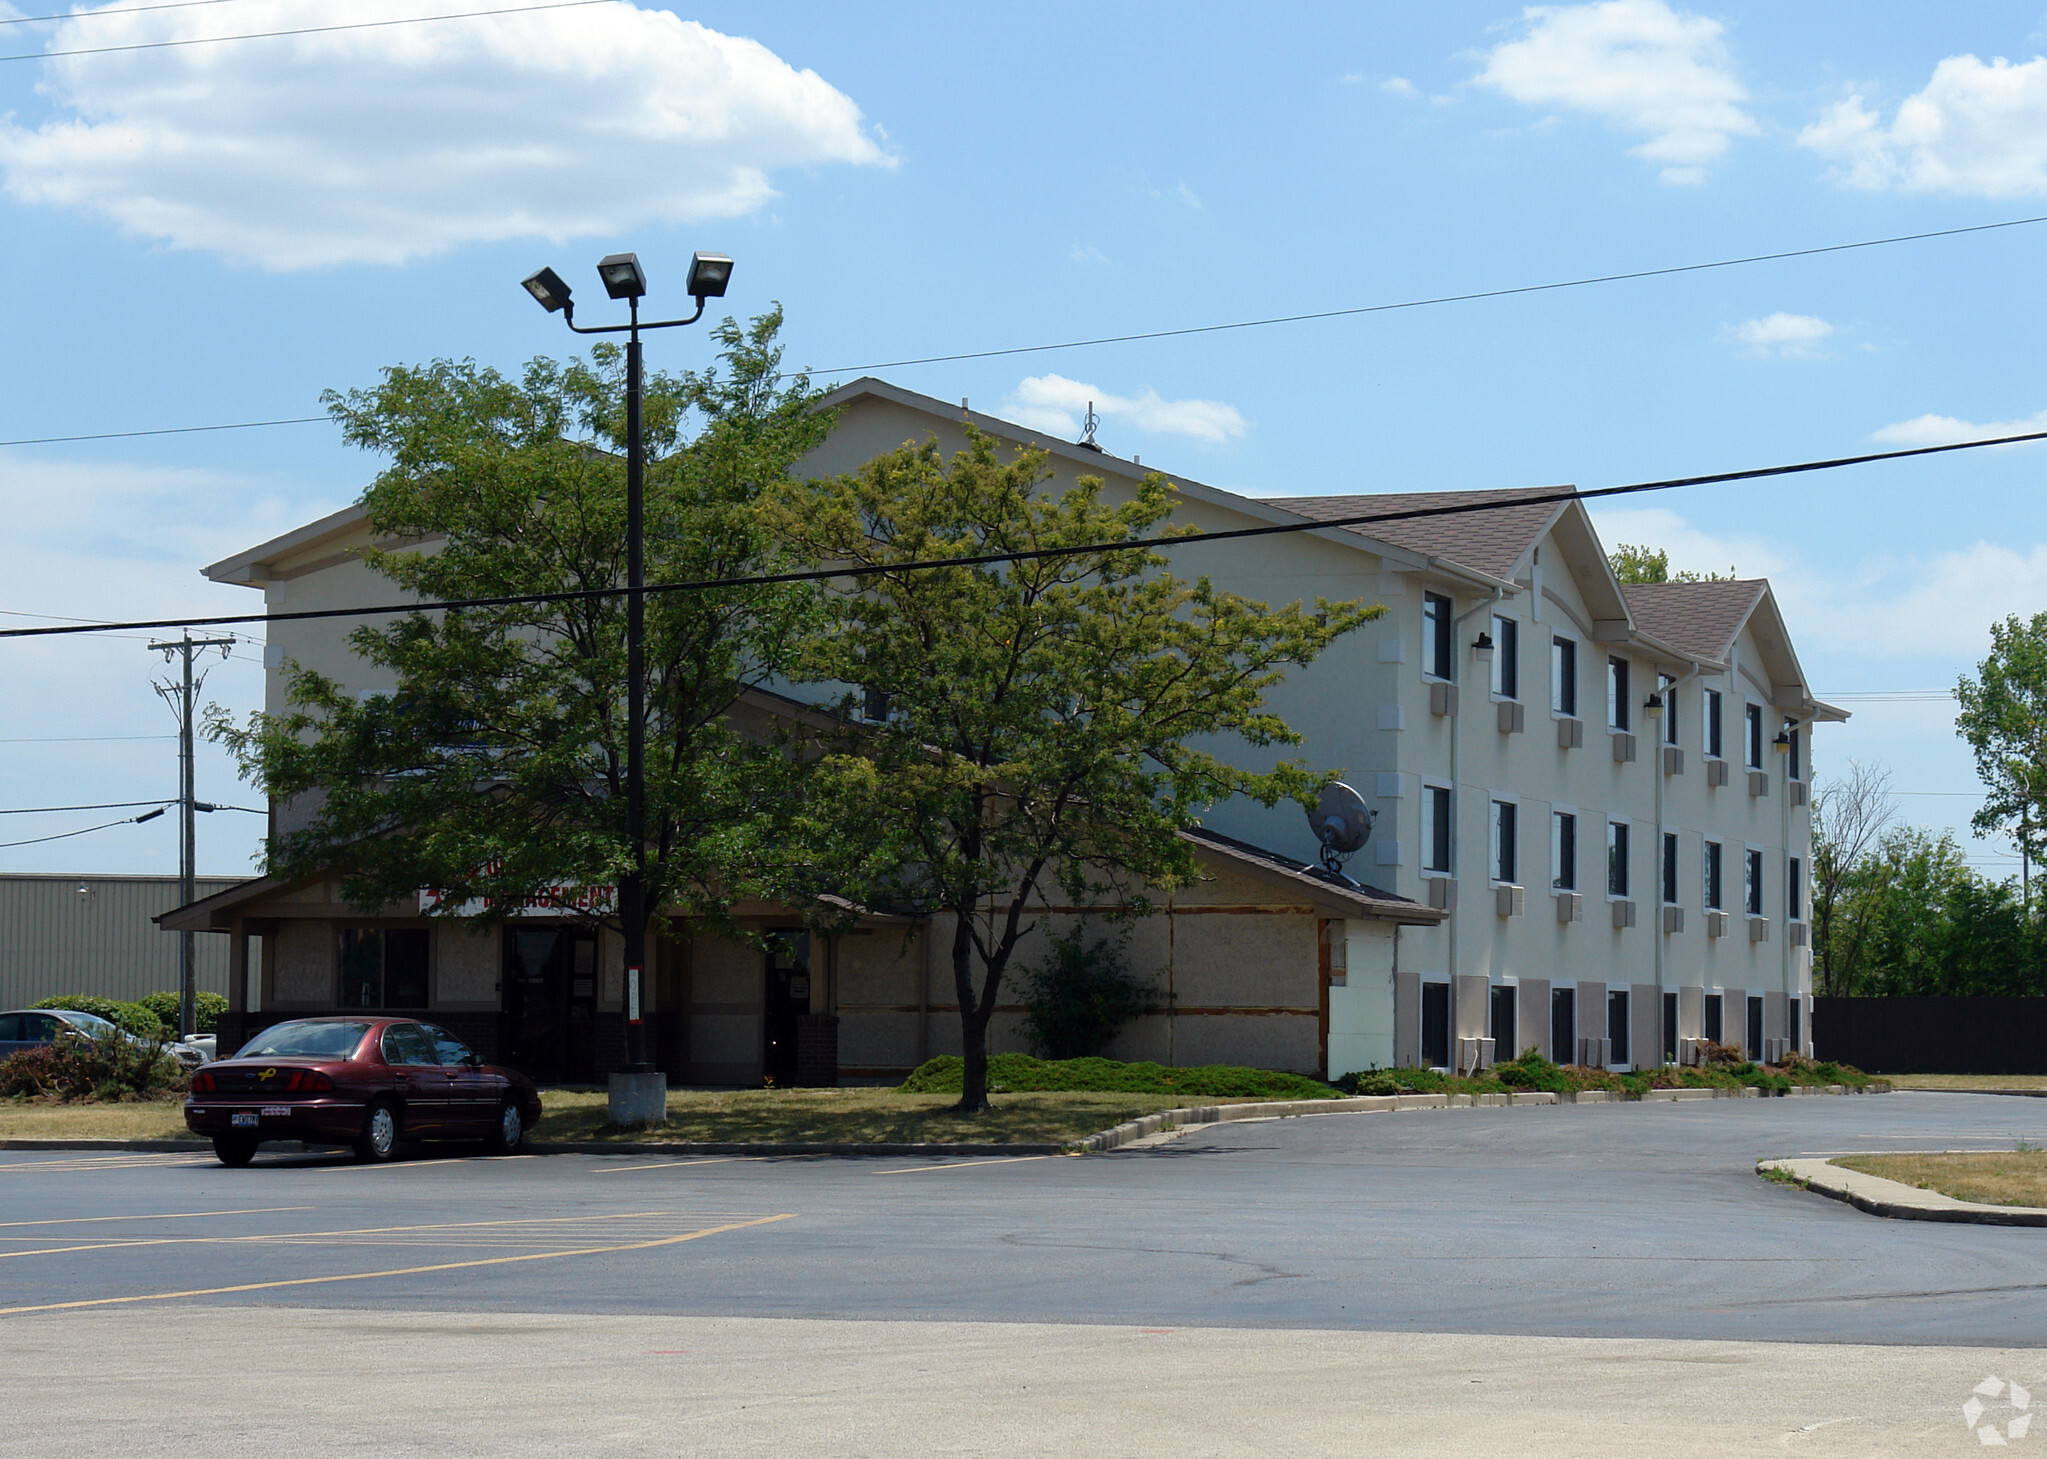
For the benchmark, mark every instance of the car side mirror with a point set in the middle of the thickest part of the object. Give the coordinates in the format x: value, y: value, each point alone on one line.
x: 471, y: 1061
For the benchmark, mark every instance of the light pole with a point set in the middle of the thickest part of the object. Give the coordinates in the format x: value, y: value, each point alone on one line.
x: 623, y: 278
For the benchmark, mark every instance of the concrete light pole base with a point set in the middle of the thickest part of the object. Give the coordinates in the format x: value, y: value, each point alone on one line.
x: 639, y: 1099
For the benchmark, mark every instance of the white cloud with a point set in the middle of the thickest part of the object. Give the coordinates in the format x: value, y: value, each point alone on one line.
x: 1397, y: 86
x: 1789, y: 336
x: 1639, y: 66
x: 1937, y: 430
x: 1054, y: 404
x: 383, y: 145
x: 1086, y: 253
x: 1976, y: 130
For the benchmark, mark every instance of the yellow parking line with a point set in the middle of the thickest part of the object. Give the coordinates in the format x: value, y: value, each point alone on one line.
x: 446, y: 1266
x: 163, y: 1216
x: 961, y: 1165
x: 297, y: 1236
x: 672, y: 1164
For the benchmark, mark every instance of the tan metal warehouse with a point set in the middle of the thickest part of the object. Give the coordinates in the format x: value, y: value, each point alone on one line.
x: 95, y: 934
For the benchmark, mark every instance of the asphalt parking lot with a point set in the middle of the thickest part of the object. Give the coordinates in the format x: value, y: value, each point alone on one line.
x: 1364, y: 1241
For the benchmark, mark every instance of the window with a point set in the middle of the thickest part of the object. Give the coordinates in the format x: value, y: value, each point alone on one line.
x: 1666, y: 689
x: 1752, y: 883
x: 1503, y: 841
x: 1712, y: 870
x: 1504, y: 1029
x: 1794, y: 891
x: 448, y: 1049
x: 1436, y: 645
x: 1617, y: 693
x: 1796, y: 1007
x: 1755, y: 737
x: 1617, y: 1025
x: 1506, y: 657
x: 1436, y: 828
x: 1754, y: 1047
x: 1796, y: 767
x: 1563, y: 676
x: 383, y: 967
x: 874, y: 705
x: 408, y: 1043
x: 1715, y: 1020
x: 1435, y: 1025
x: 1563, y: 1025
x: 1616, y: 859
x: 1563, y: 851
x: 1669, y: 867
x: 1670, y: 1028
x: 1712, y: 725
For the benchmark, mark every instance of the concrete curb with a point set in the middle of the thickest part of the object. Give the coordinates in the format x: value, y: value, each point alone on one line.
x: 592, y: 1147
x: 1133, y: 1130
x: 1880, y: 1197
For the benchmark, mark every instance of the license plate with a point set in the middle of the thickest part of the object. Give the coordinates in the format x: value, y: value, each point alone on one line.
x: 241, y: 1118
x: 277, y: 1111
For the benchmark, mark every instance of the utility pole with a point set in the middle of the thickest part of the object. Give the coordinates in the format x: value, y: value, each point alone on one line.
x: 180, y: 694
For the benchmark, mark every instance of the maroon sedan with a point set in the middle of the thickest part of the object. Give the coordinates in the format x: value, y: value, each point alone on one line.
x: 362, y: 1082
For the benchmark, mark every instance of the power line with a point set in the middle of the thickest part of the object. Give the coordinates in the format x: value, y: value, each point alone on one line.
x: 1653, y: 273
x: 1165, y: 333
x: 240, y: 425
x: 86, y: 831
x: 84, y: 739
x: 264, y: 35
x: 96, y: 14
x: 111, y: 805
x: 991, y: 559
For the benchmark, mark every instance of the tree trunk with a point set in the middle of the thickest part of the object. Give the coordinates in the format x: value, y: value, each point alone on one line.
x: 974, y: 1020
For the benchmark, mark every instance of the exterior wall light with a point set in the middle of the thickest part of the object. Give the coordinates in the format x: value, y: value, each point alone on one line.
x: 1483, y: 645
x: 1783, y: 742
x: 1653, y: 706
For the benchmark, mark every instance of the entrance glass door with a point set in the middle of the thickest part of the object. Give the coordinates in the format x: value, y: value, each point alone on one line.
x: 788, y: 999
x: 550, y: 977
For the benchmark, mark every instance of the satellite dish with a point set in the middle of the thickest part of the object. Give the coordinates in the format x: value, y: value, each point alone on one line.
x: 1342, y: 823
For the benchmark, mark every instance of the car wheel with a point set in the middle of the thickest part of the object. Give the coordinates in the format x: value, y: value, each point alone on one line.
x: 509, y: 1133
x: 234, y: 1150
x: 379, y: 1137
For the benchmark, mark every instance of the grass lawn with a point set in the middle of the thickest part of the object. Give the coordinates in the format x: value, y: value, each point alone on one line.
x: 820, y: 1116
x: 852, y: 1116
x: 1990, y: 1178
x: 1968, y: 1081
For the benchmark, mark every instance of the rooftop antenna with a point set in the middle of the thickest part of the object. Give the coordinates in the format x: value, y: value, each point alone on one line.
x: 1342, y: 822
x: 1087, y: 429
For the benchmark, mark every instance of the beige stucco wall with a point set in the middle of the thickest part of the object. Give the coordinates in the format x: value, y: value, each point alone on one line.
x: 303, y: 976
x: 466, y: 966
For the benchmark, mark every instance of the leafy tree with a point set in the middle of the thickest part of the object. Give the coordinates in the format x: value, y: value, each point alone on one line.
x: 495, y: 767
x: 2004, y: 718
x: 1634, y: 563
x: 1914, y: 918
x: 1034, y: 717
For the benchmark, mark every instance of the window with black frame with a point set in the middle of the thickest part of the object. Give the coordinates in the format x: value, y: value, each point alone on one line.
x: 384, y: 967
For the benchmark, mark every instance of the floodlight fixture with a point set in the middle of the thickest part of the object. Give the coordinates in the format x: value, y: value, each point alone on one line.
x: 548, y: 289
x: 709, y: 273
x: 623, y: 277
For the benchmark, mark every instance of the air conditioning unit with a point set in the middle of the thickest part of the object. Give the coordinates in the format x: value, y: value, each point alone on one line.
x: 1716, y: 772
x: 1673, y: 919
x: 1474, y: 1055
x: 1689, y: 1051
x: 1595, y: 1053
x: 1623, y: 914
x: 1673, y: 760
x: 1510, y: 901
x: 1716, y: 924
x: 1570, y: 907
x: 1570, y: 734
x: 1623, y: 747
x: 1759, y: 929
x: 1443, y: 893
x: 1774, y: 1050
x: 1797, y: 792
x: 1795, y: 934
x: 1759, y: 783
x: 1513, y: 717
x: 1442, y: 699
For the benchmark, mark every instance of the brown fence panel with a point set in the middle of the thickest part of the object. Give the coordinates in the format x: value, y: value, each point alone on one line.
x: 1933, y: 1035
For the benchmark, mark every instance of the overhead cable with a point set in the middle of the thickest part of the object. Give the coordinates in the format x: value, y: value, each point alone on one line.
x: 991, y: 559
x: 84, y: 831
x: 111, y: 10
x: 111, y: 805
x: 264, y: 35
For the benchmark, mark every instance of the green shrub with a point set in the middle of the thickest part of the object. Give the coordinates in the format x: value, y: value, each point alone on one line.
x: 1018, y: 1073
x: 207, y: 1006
x: 76, y: 1068
x: 1080, y: 995
x: 137, y: 1019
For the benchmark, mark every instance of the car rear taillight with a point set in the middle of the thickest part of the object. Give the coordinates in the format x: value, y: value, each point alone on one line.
x: 308, y: 1081
x: 202, y: 1083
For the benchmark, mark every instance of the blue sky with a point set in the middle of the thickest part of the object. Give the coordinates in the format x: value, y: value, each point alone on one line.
x: 215, y: 233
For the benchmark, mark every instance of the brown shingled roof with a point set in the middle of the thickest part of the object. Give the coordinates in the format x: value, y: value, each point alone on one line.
x: 1362, y: 900
x: 1490, y: 542
x: 1700, y: 619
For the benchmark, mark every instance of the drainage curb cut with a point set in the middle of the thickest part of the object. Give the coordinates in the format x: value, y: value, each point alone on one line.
x: 1880, y: 1197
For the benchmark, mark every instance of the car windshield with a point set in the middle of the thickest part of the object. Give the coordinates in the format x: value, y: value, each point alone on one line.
x: 306, y: 1041
x: 92, y: 1023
